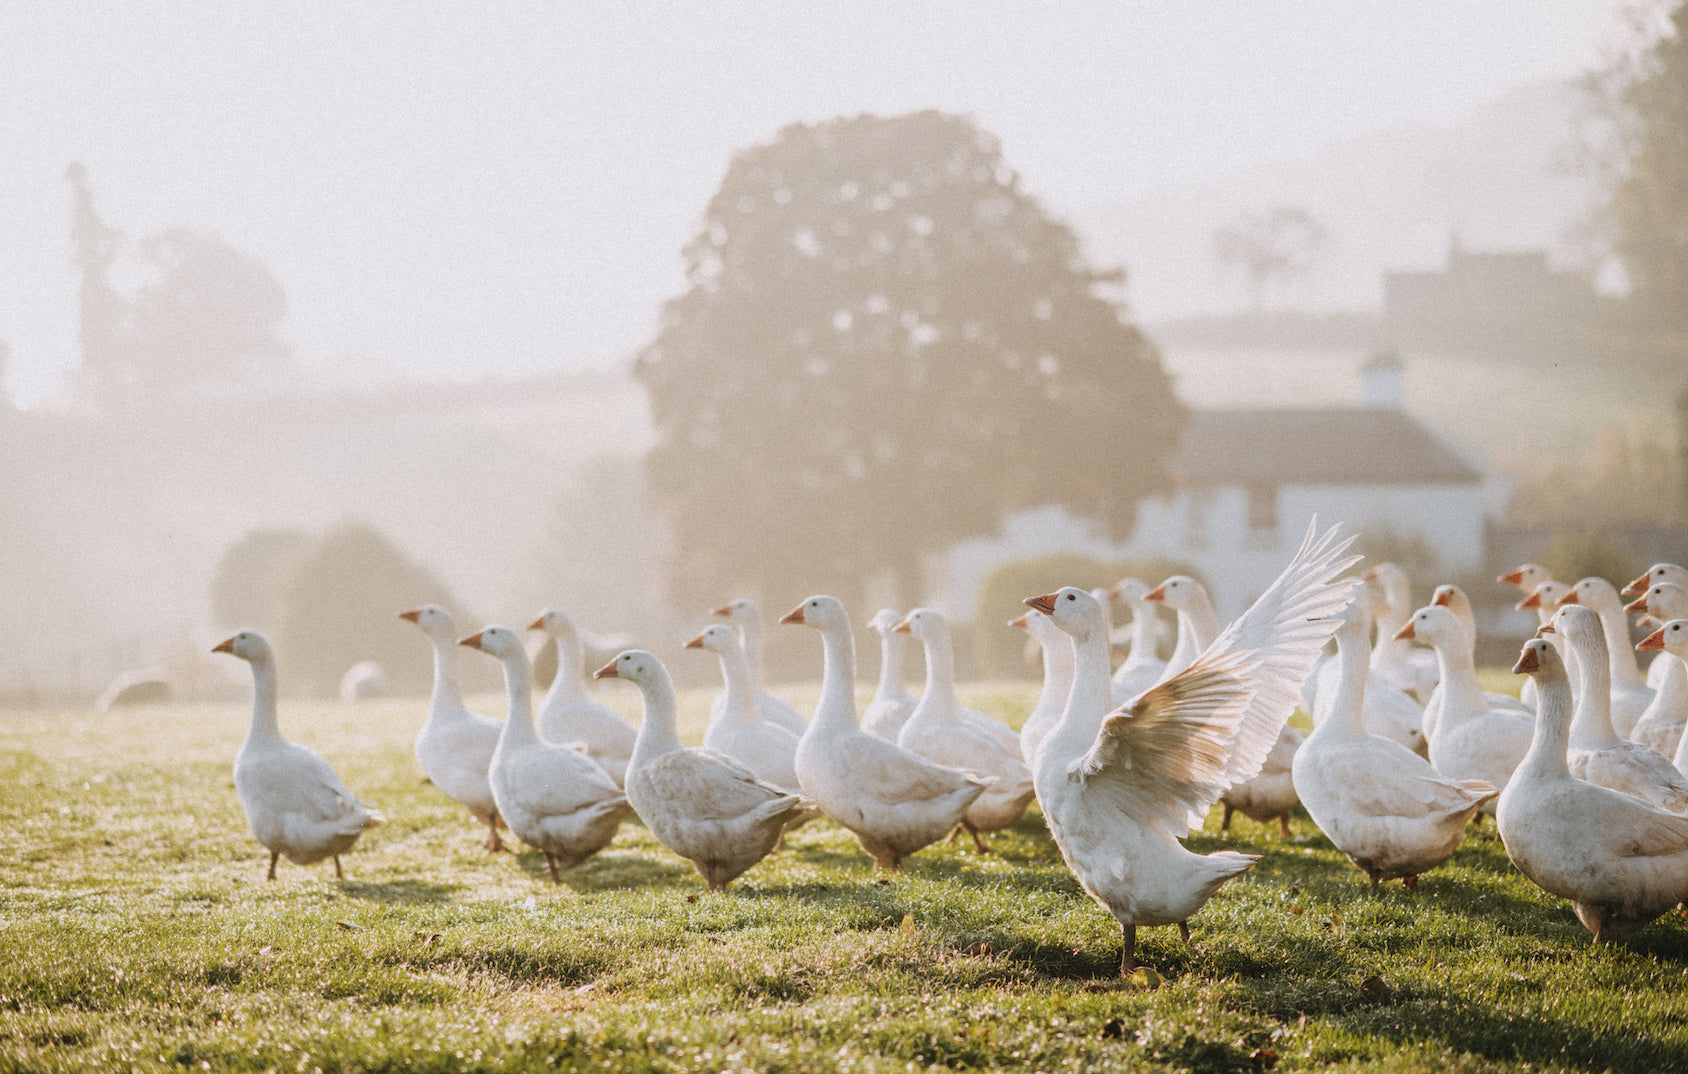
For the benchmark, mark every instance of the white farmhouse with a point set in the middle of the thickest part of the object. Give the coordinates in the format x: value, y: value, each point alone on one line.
x: 1245, y: 484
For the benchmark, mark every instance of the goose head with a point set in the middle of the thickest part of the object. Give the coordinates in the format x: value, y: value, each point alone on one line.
x: 820, y: 612
x: 739, y: 610
x: 1595, y: 593
x: 1072, y: 609
x: 922, y: 623
x: 884, y: 621
x: 495, y: 641
x: 1672, y: 638
x: 553, y: 622
x: 1664, y: 600
x: 1129, y: 590
x: 1453, y: 598
x: 1658, y: 572
x: 1430, y: 624
x: 1526, y: 576
x: 1180, y: 593
x: 1539, y: 659
x: 432, y: 618
x: 1578, y: 625
x: 249, y: 645
x: 1546, y: 595
x: 635, y: 665
x: 1391, y: 582
x: 718, y: 638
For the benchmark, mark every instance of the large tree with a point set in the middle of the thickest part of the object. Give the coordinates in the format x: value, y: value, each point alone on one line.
x: 887, y: 345
x: 1649, y: 204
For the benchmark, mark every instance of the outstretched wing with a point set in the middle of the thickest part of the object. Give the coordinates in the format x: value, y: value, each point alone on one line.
x: 1168, y: 755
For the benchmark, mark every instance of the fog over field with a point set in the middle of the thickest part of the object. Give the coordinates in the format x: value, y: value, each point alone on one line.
x: 381, y: 267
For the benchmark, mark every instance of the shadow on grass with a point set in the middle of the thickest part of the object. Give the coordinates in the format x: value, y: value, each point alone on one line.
x: 406, y: 892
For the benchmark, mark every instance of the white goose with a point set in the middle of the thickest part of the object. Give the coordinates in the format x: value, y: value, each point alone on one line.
x: 1387, y: 710
x: 455, y: 745
x: 1198, y: 626
x: 1470, y: 739
x: 1377, y: 801
x: 294, y: 802
x: 1671, y: 640
x: 699, y: 803
x: 1660, y: 727
x: 892, y: 704
x: 1543, y: 600
x: 1630, y: 693
x: 1143, y: 666
x: 569, y: 715
x: 554, y: 797
x: 945, y: 733
x: 1659, y: 572
x: 740, y: 732
x: 1453, y: 598
x: 1119, y: 799
x: 746, y: 614
x: 1526, y: 577
x: 893, y: 801
x: 1057, y: 680
x: 1620, y: 861
x: 1597, y: 753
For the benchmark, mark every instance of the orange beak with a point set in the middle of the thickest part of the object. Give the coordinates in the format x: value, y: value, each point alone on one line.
x: 902, y: 627
x: 1546, y: 628
x: 607, y: 671
x: 473, y: 641
x: 1156, y: 595
x: 1406, y: 633
x: 1637, y: 587
x: 1638, y: 605
x: 414, y: 615
x: 1655, y: 640
x: 1044, y: 604
x: 695, y: 643
x: 537, y: 624
x: 225, y: 646
x: 723, y: 611
x: 1527, y: 662
x: 1531, y: 601
x: 1113, y: 592
x: 1511, y: 578
x: 1020, y: 623
x: 1442, y: 600
x: 795, y: 615
x: 1370, y: 574
x: 1569, y: 598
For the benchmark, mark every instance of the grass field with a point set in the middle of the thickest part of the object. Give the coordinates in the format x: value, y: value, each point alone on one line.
x: 136, y: 931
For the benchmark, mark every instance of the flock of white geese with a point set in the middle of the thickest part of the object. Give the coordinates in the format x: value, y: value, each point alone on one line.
x: 1585, y: 778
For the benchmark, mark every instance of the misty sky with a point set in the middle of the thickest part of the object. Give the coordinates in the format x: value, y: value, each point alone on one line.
x: 458, y: 190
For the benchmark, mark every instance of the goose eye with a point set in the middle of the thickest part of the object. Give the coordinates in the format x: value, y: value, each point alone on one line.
x: 1071, y: 597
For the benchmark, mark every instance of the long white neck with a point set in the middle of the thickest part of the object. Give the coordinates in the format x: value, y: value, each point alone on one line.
x: 1197, y: 629
x: 1553, y: 733
x: 1462, y: 694
x: 740, y: 705
x: 1346, y: 716
x: 568, y: 684
x: 1057, y: 673
x: 659, y: 731
x: 1624, y: 669
x: 940, y: 668
x: 751, y: 631
x: 890, y: 686
x: 1591, y: 727
x: 447, y: 697
x: 264, y: 728
x: 837, y: 708
x: 1388, y: 651
x: 518, y: 684
x: 1143, y: 640
x: 1090, y: 698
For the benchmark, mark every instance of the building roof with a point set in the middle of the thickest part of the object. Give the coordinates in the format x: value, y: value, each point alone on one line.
x: 1323, y: 447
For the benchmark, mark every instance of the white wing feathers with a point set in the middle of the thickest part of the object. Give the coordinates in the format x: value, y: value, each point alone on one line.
x: 1169, y: 754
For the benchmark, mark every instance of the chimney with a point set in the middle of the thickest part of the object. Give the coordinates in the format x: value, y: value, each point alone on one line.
x: 1383, y: 381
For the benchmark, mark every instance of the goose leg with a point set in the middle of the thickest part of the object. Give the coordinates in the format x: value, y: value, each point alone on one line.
x: 1225, y: 821
x: 955, y: 833
x: 1409, y: 881
x: 493, y: 843
x: 978, y: 844
x: 1184, y: 931
x: 1283, y: 826
x: 275, y: 855
x: 551, y: 866
x: 1128, y: 949
x: 339, y: 874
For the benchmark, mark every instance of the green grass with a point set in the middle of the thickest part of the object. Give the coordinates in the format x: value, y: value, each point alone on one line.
x: 136, y: 931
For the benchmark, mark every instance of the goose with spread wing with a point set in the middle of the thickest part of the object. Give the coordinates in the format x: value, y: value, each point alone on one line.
x: 1119, y: 799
